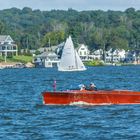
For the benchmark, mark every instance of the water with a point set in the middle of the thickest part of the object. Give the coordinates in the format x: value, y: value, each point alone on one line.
x: 24, y: 117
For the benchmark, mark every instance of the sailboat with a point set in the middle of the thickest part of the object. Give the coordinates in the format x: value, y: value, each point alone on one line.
x: 70, y: 60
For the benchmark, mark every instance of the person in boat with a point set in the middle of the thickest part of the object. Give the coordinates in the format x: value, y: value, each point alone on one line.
x: 82, y: 87
x: 54, y: 85
x: 92, y: 86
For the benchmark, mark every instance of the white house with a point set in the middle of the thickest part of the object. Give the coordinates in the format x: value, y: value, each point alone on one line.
x: 97, y: 54
x: 46, y: 59
x: 52, y: 60
x: 131, y: 56
x: 121, y: 54
x: 117, y: 55
x: 7, y: 46
x: 83, y: 51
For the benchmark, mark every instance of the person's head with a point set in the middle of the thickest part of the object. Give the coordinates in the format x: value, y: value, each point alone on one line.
x: 83, y: 86
x: 92, y: 85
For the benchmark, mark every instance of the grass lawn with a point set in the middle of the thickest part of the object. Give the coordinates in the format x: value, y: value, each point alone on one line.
x: 1, y: 59
x: 19, y: 58
x: 94, y: 63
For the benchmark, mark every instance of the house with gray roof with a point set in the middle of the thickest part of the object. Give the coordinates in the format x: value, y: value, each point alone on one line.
x: 46, y: 59
x: 7, y: 46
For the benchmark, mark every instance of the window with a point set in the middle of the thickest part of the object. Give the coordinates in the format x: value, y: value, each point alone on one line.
x: 49, y: 63
x: 3, y: 47
x: 82, y: 48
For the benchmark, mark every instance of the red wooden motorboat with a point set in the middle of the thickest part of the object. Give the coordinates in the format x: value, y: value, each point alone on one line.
x: 99, y: 97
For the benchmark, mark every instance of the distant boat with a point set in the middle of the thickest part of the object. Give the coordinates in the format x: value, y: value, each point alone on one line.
x: 70, y: 60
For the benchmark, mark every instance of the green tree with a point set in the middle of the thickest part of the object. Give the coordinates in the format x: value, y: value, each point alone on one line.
x: 53, y: 38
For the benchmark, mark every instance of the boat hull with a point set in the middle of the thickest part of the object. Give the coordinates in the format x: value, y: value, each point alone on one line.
x: 91, y: 97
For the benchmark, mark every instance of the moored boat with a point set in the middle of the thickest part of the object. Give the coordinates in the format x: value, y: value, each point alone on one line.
x: 99, y: 97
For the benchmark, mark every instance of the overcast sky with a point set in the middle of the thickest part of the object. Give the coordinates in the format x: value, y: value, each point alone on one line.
x: 74, y: 4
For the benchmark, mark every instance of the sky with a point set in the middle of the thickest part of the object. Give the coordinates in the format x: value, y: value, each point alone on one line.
x: 80, y: 5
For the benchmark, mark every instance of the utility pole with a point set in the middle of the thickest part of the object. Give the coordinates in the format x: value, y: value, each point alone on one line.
x: 49, y: 43
x: 27, y: 43
x: 39, y: 39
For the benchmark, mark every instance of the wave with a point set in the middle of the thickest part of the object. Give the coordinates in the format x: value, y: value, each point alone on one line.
x: 87, y: 104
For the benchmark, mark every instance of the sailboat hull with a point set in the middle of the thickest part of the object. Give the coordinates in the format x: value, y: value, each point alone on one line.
x: 91, y: 97
x: 71, y: 69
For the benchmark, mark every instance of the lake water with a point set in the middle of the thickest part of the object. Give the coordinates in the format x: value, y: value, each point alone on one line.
x: 24, y: 117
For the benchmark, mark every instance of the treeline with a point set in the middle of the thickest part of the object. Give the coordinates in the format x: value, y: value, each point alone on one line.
x: 32, y: 29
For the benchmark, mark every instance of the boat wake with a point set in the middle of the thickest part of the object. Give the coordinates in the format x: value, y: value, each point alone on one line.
x: 81, y: 103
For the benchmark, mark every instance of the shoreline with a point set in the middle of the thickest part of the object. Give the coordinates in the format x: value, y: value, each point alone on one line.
x: 15, y: 65
x: 4, y: 65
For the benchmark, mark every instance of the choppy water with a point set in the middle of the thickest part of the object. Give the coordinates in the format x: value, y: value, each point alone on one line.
x: 24, y: 117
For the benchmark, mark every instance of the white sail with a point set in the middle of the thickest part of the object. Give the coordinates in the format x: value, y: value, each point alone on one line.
x: 70, y: 60
x: 79, y: 63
